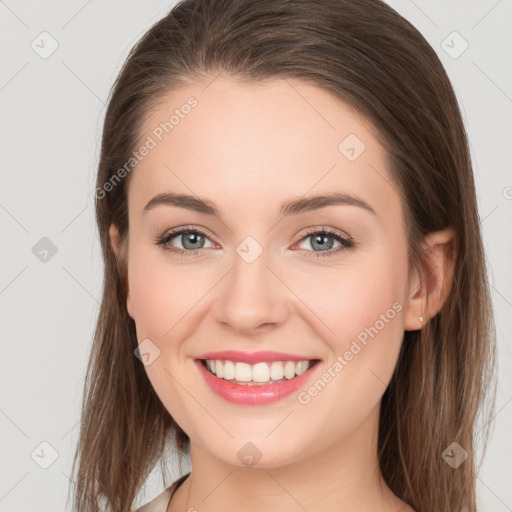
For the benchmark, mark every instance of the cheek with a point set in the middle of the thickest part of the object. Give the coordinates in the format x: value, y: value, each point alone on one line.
x: 360, y: 304
x: 163, y: 293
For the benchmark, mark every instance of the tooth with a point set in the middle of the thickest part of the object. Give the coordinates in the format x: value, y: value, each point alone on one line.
x: 261, y: 372
x: 258, y: 373
x: 243, y: 372
x: 229, y: 370
x: 301, y: 367
x: 289, y: 369
x: 276, y: 370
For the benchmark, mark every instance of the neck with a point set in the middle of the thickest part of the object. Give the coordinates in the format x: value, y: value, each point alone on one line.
x: 344, y: 477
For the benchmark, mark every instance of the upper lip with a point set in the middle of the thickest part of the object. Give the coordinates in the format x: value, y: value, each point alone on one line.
x: 254, y: 357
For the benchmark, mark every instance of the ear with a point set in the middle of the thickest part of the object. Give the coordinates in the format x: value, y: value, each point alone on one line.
x: 430, y: 287
x: 119, y: 251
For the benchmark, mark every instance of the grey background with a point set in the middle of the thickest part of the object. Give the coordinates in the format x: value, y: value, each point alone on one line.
x: 52, y: 110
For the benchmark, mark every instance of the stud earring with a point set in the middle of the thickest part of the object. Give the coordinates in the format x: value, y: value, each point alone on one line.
x: 421, y: 319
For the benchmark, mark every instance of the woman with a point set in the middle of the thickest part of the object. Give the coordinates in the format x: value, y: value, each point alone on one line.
x: 295, y: 290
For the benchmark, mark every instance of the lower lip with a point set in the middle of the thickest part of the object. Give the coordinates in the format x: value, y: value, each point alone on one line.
x: 244, y: 394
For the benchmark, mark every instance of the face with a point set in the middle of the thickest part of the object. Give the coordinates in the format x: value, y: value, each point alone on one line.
x: 328, y: 283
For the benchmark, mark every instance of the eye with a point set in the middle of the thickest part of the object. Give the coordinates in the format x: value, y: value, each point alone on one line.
x: 319, y: 239
x: 192, y: 241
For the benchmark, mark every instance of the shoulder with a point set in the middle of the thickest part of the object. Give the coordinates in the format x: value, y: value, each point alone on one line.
x: 158, y: 504
x: 161, y: 502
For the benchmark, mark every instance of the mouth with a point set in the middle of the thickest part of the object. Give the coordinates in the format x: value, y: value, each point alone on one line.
x: 258, y: 374
x: 257, y: 384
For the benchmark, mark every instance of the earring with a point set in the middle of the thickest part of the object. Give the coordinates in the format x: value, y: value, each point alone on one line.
x: 421, y: 319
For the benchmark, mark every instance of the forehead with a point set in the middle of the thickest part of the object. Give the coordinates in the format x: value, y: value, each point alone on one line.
x: 256, y: 144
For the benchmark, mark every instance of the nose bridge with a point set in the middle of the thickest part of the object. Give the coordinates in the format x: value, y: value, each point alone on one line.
x: 251, y: 295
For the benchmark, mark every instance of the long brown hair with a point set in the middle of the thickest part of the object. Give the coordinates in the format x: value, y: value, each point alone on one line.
x: 373, y: 59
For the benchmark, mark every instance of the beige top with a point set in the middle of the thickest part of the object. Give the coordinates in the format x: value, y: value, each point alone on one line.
x: 161, y: 502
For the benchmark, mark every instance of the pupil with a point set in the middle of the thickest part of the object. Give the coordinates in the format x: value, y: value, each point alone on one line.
x: 320, y: 241
x: 190, y: 239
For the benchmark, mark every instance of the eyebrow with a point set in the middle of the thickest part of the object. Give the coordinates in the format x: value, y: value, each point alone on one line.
x: 291, y: 207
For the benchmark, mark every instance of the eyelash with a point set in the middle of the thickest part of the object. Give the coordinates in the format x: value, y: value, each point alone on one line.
x: 346, y: 243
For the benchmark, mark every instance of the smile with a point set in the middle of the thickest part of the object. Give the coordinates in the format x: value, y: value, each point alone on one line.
x: 259, y: 373
x: 261, y: 383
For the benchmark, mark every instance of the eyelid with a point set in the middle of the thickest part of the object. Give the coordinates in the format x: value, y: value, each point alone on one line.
x: 326, y: 229
x: 346, y: 241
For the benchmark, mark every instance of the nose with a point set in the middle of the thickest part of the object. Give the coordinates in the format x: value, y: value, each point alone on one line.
x: 252, y: 298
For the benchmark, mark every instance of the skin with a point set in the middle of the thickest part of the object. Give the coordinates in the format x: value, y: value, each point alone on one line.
x: 248, y: 148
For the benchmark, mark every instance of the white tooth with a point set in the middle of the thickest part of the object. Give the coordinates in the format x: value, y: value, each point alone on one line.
x: 212, y: 365
x: 229, y: 370
x: 218, y: 368
x: 276, y: 370
x: 301, y: 367
x: 243, y: 372
x: 289, y: 369
x: 260, y: 372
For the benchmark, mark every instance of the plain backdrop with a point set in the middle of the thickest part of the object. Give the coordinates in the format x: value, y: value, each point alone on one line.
x: 52, y: 106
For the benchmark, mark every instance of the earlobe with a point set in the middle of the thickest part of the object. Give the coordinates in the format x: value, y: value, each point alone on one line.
x: 114, y: 240
x: 430, y: 289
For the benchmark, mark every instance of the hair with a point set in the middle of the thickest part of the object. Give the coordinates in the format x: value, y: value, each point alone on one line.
x: 372, y: 59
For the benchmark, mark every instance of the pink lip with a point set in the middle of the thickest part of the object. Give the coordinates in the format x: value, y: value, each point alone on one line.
x: 253, y: 357
x: 243, y: 394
